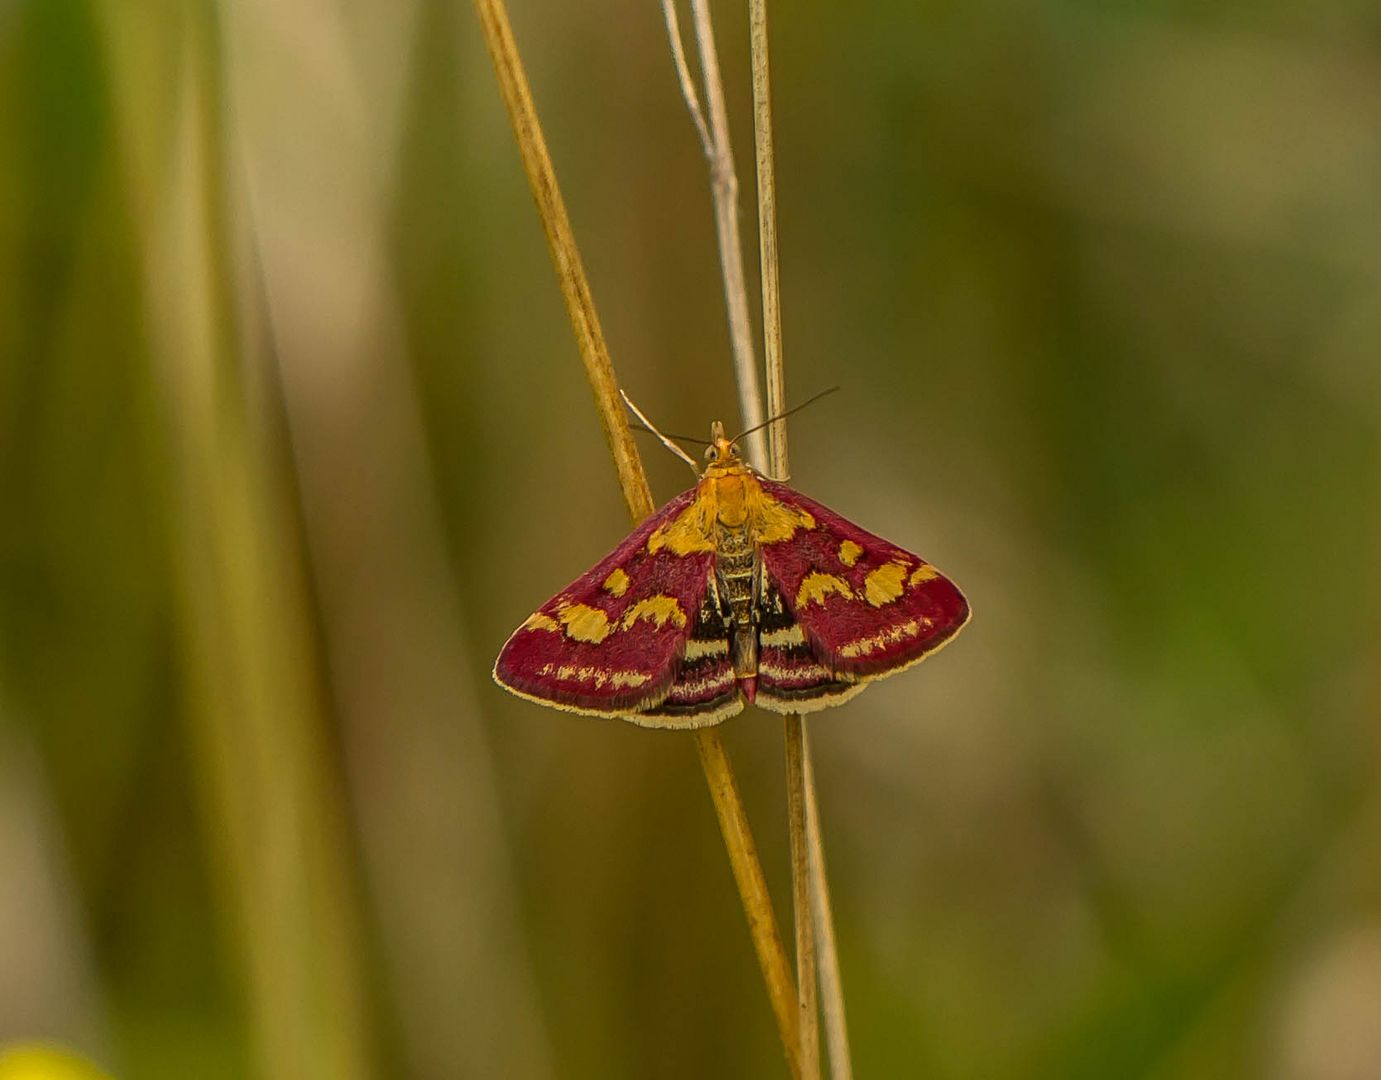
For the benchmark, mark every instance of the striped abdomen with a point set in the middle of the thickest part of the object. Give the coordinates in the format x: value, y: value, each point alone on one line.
x: 737, y: 572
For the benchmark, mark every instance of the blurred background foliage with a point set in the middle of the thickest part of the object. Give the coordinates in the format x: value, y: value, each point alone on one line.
x: 292, y: 433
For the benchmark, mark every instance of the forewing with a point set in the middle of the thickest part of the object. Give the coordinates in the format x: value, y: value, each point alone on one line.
x: 610, y: 642
x: 865, y: 607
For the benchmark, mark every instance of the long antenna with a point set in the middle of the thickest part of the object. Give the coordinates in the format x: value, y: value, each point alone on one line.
x: 782, y: 416
x: 672, y: 435
x: 695, y: 468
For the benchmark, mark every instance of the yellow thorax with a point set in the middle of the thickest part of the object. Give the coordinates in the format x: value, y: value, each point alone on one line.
x: 728, y: 496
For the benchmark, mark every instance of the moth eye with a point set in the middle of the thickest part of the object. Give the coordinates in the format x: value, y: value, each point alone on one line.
x: 709, y: 453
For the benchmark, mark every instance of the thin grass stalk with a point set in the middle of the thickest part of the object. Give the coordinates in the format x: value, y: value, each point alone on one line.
x: 831, y: 984
x: 752, y: 886
x: 719, y: 154
x: 797, y: 773
x: 714, y: 138
x: 767, y: 239
x: 570, y: 270
x: 810, y: 891
x: 747, y: 870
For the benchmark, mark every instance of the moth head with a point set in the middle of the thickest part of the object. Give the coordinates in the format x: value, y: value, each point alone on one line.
x: 721, y: 450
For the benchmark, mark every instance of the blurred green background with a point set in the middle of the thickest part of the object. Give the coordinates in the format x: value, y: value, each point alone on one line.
x: 293, y: 432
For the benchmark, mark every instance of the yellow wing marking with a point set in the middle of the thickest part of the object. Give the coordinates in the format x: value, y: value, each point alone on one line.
x: 775, y: 521
x: 849, y: 552
x: 924, y: 572
x: 864, y: 646
x: 616, y: 582
x: 539, y: 621
x: 697, y: 649
x: 692, y: 530
x: 817, y: 586
x: 884, y: 584
x: 795, y: 671
x: 597, y: 676
x: 708, y: 682
x: 786, y: 636
x: 584, y: 623
x: 656, y: 609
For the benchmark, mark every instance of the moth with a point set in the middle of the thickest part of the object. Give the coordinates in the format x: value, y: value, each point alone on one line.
x: 738, y: 591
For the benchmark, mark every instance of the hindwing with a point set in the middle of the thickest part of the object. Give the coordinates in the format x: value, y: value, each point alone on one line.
x: 705, y: 689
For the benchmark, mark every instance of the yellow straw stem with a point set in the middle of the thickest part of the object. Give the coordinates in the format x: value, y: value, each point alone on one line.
x: 733, y: 819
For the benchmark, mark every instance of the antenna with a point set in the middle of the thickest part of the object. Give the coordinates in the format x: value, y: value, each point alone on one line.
x: 669, y: 435
x: 665, y: 441
x: 784, y: 415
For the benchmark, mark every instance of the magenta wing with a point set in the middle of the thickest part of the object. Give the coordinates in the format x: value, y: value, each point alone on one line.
x: 864, y: 607
x: 611, y: 643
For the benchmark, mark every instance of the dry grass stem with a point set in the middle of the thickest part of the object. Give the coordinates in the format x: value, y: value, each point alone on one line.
x: 767, y: 239
x: 752, y: 886
x: 714, y: 138
x: 831, y: 985
x: 810, y: 893
x: 733, y: 820
x: 683, y: 74
x: 797, y: 773
x: 570, y: 271
x: 810, y: 889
